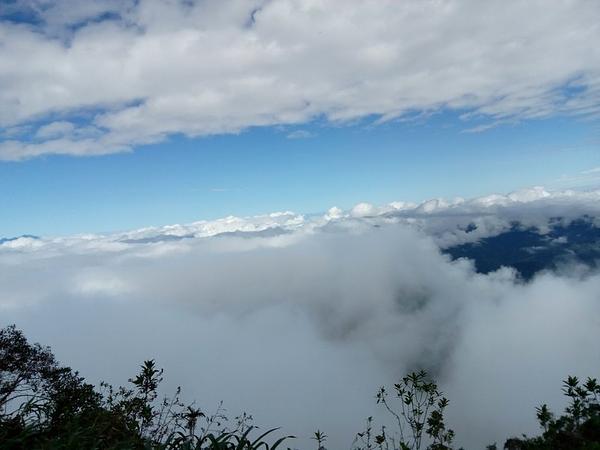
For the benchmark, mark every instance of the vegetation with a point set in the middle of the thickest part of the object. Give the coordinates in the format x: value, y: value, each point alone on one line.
x: 46, y: 406
x: 418, y: 409
x: 577, y: 428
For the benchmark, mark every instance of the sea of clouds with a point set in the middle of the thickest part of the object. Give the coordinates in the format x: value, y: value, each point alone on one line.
x: 298, y: 319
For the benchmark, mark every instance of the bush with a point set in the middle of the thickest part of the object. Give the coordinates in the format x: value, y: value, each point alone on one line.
x: 46, y: 406
x: 577, y: 428
x: 418, y: 412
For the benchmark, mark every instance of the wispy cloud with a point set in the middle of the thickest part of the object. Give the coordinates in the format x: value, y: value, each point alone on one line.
x: 486, y: 126
x: 300, y: 134
x: 589, y: 178
x: 594, y: 171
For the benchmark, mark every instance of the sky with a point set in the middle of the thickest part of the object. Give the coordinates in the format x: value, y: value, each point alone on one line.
x: 120, y: 115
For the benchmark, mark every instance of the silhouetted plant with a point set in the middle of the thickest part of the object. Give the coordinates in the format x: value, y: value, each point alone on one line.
x: 46, y: 406
x: 421, y: 411
x: 320, y: 437
x: 577, y: 428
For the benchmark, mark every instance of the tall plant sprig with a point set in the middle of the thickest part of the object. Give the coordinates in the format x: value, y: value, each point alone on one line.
x: 421, y: 411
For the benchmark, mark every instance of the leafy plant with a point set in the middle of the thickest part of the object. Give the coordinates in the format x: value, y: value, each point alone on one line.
x: 320, y: 437
x: 46, y: 406
x: 577, y: 428
x: 420, y: 413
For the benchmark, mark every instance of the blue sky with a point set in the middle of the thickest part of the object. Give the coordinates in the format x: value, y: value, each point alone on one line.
x: 261, y: 170
x: 124, y: 114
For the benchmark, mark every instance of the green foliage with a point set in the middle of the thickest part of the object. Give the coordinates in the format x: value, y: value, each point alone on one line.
x: 46, y: 406
x: 419, y: 414
x: 577, y: 429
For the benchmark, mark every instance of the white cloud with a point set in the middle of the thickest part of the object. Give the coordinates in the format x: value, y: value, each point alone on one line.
x: 54, y: 130
x: 300, y: 134
x: 586, y: 179
x: 318, y: 320
x: 444, y: 220
x: 334, y: 213
x: 364, y: 210
x: 23, y: 243
x: 594, y: 171
x: 98, y: 284
x: 322, y: 309
x: 138, y: 72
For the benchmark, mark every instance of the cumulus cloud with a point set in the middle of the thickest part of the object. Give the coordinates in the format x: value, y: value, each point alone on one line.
x: 300, y: 327
x: 364, y: 210
x: 135, y: 72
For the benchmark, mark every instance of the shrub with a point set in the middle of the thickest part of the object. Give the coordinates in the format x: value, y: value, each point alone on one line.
x: 46, y: 406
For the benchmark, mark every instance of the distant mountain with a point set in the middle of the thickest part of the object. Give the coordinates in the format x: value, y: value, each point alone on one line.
x: 266, y: 233
x: 531, y: 250
x: 30, y: 236
x: 157, y: 238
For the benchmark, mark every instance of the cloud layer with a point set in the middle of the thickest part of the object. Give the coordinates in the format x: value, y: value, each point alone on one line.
x: 448, y: 222
x: 95, y: 77
x: 300, y: 325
